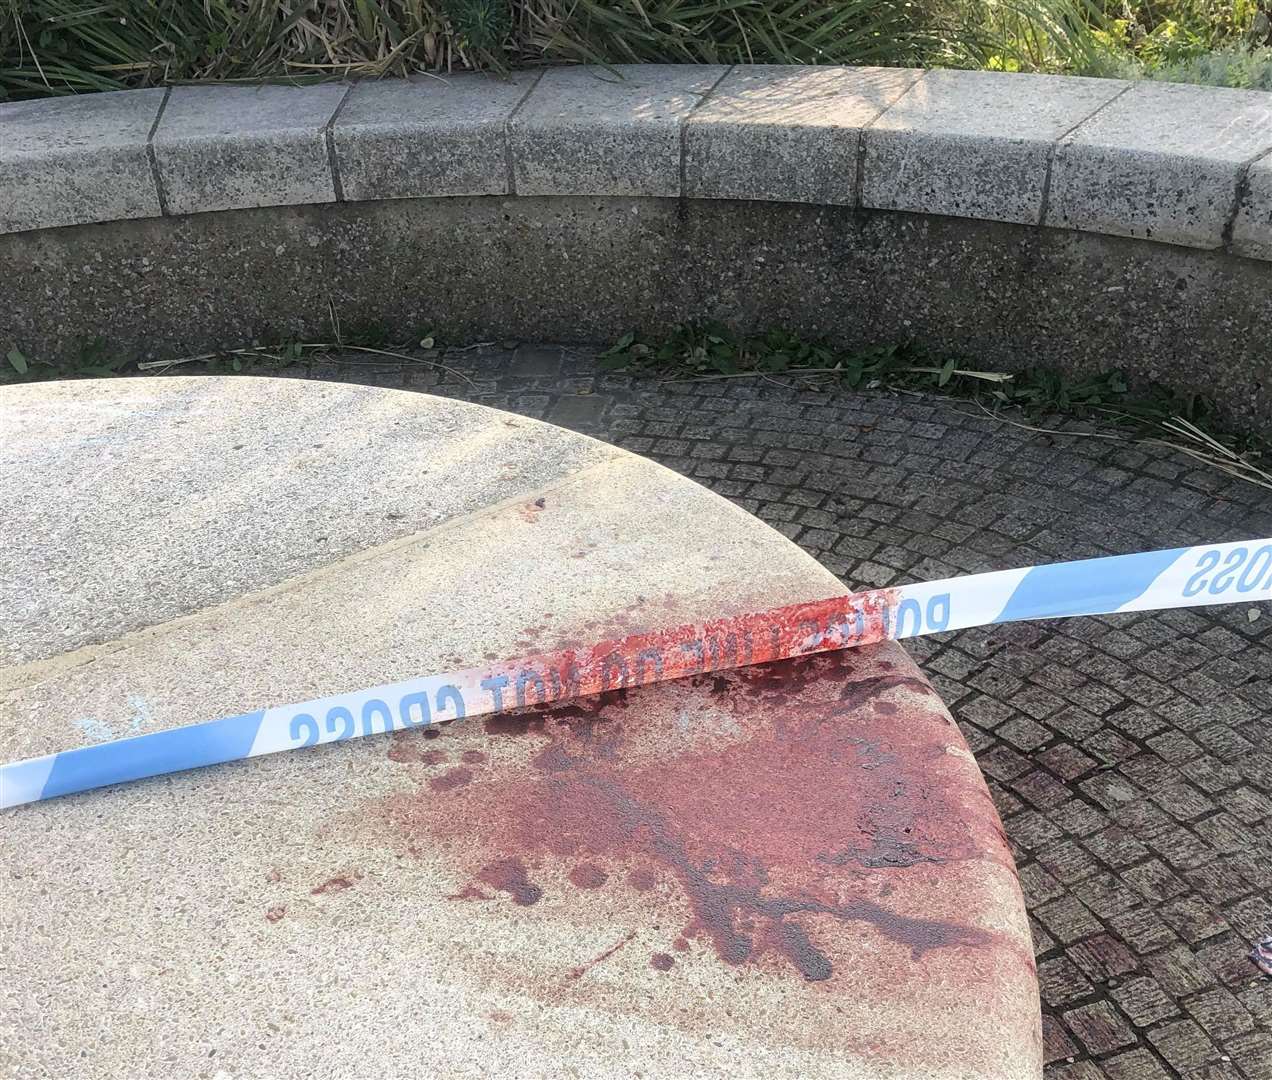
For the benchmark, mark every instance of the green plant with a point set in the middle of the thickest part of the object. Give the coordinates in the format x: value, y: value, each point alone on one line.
x: 69, y: 46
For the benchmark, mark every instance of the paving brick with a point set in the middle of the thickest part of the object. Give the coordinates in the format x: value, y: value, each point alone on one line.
x: 1068, y: 919
x: 1100, y: 1028
x: 1179, y: 971
x: 1220, y: 1014
x: 1066, y: 761
x: 1154, y: 880
x: 1144, y: 1002
x: 1040, y: 789
x: 1068, y: 862
x: 1138, y: 1064
x: 1116, y: 847
x: 1103, y: 958
x: 1183, y: 1044
x: 1056, y: 1044
x: 1254, y: 1052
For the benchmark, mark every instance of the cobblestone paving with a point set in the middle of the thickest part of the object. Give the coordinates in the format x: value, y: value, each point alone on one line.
x: 1130, y: 756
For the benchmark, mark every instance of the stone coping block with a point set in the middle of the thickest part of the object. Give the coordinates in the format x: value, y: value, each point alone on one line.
x: 1181, y: 165
x: 606, y: 131
x: 786, y: 134
x: 424, y: 137
x: 67, y: 161
x: 232, y: 147
x: 1163, y: 162
x: 975, y: 143
x: 1252, y: 229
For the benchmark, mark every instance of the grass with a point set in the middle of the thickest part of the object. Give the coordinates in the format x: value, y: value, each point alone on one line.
x: 73, y: 46
x: 76, y: 46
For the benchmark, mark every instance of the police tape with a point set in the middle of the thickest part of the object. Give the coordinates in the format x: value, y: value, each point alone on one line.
x: 1153, y: 580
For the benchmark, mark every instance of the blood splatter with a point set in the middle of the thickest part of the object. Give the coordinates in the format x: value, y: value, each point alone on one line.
x: 641, y: 879
x: 661, y: 961
x: 276, y: 912
x: 588, y: 876
x: 405, y: 749
x: 790, y: 820
x: 509, y: 875
x: 337, y: 884
x: 583, y: 969
x: 451, y: 779
x: 473, y: 757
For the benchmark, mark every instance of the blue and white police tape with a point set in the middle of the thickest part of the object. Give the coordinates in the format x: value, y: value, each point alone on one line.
x: 1181, y: 577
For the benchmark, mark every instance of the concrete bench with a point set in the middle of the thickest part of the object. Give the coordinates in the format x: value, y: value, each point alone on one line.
x: 1022, y: 219
x: 784, y: 871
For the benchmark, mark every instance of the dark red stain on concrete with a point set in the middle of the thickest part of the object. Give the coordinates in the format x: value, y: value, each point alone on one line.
x: 588, y: 876
x: 451, y: 779
x: 405, y: 747
x: 765, y: 836
x: 661, y: 961
x: 510, y: 876
x: 473, y: 757
x: 337, y: 884
x: 276, y: 912
x: 583, y: 969
x: 641, y: 879
x: 469, y: 892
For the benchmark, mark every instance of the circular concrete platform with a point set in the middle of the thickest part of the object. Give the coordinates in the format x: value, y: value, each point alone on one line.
x: 791, y: 870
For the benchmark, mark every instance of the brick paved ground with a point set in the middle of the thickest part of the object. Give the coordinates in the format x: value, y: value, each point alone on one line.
x: 1130, y: 756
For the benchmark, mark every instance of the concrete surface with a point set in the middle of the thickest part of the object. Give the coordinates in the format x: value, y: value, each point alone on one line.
x: 793, y: 872
x: 1252, y: 230
x: 1162, y: 163
x: 975, y: 144
x: 231, y: 147
x: 1130, y: 755
x: 606, y: 131
x: 66, y: 161
x: 399, y: 139
x: 790, y: 134
x: 1002, y: 295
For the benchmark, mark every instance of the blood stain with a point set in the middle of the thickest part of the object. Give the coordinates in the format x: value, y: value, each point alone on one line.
x: 404, y: 748
x: 641, y: 879
x: 766, y: 836
x: 469, y: 892
x: 275, y: 913
x: 583, y: 969
x: 337, y: 884
x: 474, y: 757
x: 660, y: 961
x: 588, y: 876
x: 451, y: 779
x: 509, y: 875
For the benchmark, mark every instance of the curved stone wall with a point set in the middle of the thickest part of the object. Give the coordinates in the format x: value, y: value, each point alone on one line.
x: 1080, y: 222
